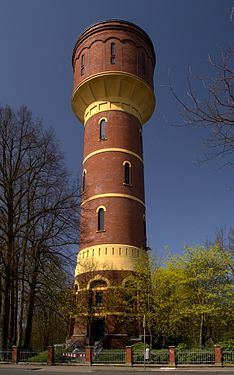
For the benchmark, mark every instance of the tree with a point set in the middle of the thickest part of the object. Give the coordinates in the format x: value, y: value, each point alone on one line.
x: 39, y: 208
x: 195, y: 295
x: 214, y: 111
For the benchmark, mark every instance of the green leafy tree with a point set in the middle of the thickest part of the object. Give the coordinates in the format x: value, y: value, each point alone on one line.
x: 195, y: 295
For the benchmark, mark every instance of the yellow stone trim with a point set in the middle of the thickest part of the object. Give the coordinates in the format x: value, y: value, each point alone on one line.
x: 97, y: 278
x: 113, y: 104
x: 108, y: 257
x: 103, y: 118
x: 113, y: 195
x: 113, y: 149
x: 113, y: 90
x: 127, y: 162
x: 104, y: 208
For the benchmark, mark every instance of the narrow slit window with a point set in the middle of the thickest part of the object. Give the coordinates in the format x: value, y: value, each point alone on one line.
x: 84, y: 181
x: 113, y: 50
x: 82, y: 65
x: 143, y: 62
x: 127, y: 173
x: 101, y: 214
x: 102, y: 129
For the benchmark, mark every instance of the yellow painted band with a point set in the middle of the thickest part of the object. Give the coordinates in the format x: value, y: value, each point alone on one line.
x: 113, y: 195
x: 113, y: 104
x: 108, y: 257
x: 114, y: 150
x: 113, y: 90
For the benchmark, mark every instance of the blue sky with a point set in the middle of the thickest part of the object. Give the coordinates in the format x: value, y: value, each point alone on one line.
x: 186, y: 202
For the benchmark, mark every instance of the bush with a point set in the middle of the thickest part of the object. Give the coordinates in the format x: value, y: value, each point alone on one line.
x: 227, y: 344
x: 139, y: 346
x: 41, y: 357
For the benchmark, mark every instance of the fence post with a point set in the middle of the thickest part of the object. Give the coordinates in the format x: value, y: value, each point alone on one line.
x: 128, y: 356
x: 88, y: 355
x: 15, y: 354
x: 50, y: 355
x: 218, y: 355
x: 172, y: 356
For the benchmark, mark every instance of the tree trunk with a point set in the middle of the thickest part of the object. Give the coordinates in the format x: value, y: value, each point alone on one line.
x: 201, y: 333
x: 31, y: 304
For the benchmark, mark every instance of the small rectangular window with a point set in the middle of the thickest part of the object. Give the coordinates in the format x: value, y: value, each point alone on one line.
x: 112, y: 59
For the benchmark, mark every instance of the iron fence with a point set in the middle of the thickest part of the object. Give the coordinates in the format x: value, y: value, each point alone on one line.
x: 5, y: 355
x: 109, y: 356
x: 228, y: 357
x: 195, y: 357
x: 26, y: 355
x: 76, y: 356
x: 159, y: 357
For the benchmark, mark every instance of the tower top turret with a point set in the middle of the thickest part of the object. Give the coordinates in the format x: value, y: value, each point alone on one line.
x: 114, y: 24
x: 113, y: 63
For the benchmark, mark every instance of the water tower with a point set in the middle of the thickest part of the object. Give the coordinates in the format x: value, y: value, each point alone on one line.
x: 113, y: 64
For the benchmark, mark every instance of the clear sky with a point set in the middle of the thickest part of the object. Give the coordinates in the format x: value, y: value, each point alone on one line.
x: 186, y: 202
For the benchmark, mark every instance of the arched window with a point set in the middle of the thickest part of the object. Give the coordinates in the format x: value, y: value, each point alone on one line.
x: 127, y: 173
x: 102, y: 129
x: 101, y: 219
x: 82, y: 65
x: 112, y: 58
x: 84, y: 180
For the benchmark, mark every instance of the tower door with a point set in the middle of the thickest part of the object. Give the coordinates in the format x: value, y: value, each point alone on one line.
x: 97, y: 330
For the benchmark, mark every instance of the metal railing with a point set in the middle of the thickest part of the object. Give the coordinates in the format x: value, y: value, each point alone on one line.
x: 76, y: 356
x: 195, y: 357
x: 109, y: 356
x: 5, y: 355
x: 159, y: 357
x: 228, y: 357
x: 26, y: 355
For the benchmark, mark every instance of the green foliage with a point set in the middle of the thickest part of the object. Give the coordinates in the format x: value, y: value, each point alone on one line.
x: 40, y: 357
x: 139, y: 346
x: 227, y: 344
x: 181, y: 346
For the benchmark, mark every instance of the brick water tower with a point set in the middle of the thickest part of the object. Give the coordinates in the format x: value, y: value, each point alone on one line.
x: 113, y: 64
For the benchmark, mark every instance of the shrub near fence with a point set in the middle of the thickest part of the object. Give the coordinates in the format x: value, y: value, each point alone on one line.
x: 195, y: 357
x: 116, y: 356
x: 158, y: 357
x: 228, y: 357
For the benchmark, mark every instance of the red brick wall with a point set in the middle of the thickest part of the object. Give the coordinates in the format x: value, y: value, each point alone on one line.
x: 123, y: 223
x: 130, y: 42
x: 122, y: 130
